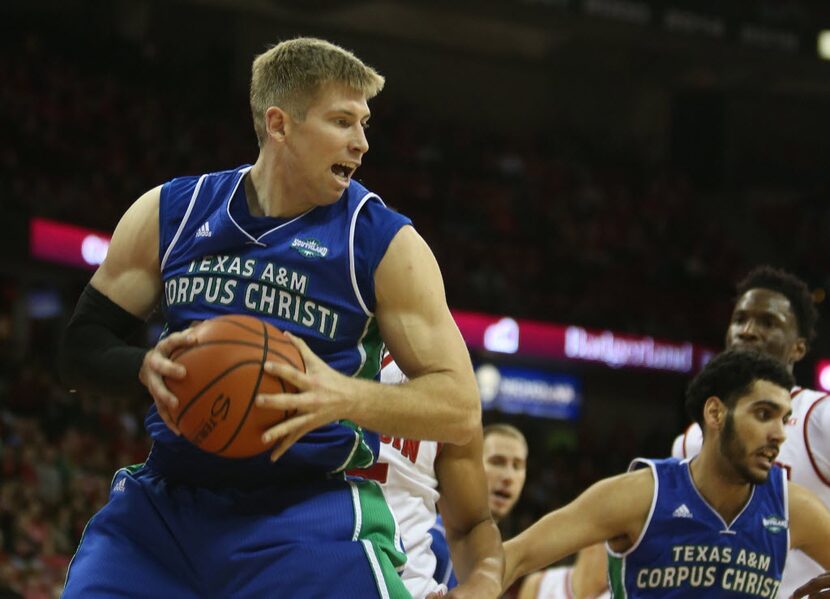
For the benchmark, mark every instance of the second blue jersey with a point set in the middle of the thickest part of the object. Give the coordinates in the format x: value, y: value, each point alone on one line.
x: 311, y: 275
x: 687, y: 550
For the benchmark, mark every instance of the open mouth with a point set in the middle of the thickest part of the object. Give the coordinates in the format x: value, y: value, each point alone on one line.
x: 769, y: 454
x: 503, y: 495
x: 343, y: 171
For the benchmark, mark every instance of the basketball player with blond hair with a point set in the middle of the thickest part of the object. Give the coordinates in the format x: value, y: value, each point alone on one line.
x: 292, y: 239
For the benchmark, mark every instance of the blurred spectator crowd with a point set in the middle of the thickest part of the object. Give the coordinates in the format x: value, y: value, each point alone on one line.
x: 533, y: 225
x: 58, y: 453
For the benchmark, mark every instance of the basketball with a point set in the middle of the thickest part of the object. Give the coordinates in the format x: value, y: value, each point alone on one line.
x: 225, y: 373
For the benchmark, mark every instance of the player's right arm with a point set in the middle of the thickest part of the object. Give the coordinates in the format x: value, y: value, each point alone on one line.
x: 530, y: 586
x: 613, y: 508
x: 121, y: 295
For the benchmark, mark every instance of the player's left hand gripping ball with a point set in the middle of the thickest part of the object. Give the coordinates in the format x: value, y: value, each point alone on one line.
x: 323, y: 397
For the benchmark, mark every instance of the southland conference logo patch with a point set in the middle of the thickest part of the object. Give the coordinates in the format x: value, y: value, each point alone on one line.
x: 309, y: 248
x: 774, y: 524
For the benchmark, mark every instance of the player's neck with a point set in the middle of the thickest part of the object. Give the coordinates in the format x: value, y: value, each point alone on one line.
x: 722, y: 488
x: 269, y: 193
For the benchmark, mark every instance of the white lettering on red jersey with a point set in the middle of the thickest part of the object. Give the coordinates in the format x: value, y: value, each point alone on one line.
x: 805, y: 455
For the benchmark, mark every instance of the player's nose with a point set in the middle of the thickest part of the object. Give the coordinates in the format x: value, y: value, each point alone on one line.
x: 778, y: 434
x: 359, y: 142
x: 748, y: 331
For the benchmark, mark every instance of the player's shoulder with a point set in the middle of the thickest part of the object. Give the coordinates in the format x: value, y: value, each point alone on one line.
x: 688, y: 443
x: 801, y: 395
x: 631, y: 491
x: 185, y: 189
x: 231, y: 173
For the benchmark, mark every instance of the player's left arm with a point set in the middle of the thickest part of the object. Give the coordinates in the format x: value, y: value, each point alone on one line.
x: 440, y: 401
x: 809, y: 524
x: 474, y: 538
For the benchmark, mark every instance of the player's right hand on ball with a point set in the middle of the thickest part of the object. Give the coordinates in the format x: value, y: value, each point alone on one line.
x: 157, y: 366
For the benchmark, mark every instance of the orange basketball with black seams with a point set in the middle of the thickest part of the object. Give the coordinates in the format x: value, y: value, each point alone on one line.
x: 225, y: 373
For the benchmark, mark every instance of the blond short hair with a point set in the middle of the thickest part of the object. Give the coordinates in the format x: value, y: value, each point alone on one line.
x: 289, y: 75
x: 506, y: 430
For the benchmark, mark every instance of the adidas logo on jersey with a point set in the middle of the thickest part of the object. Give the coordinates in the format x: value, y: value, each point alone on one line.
x: 204, y: 230
x: 682, y: 512
x: 119, y: 486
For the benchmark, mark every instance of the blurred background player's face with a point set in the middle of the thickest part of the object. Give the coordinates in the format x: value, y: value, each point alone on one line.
x: 324, y: 150
x: 754, y: 430
x: 505, y: 463
x: 763, y: 320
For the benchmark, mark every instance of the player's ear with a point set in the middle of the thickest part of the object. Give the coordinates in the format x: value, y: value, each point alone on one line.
x: 714, y: 412
x: 275, y: 121
x: 799, y: 349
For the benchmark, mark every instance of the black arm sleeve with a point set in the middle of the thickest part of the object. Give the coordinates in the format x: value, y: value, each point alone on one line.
x: 94, y: 355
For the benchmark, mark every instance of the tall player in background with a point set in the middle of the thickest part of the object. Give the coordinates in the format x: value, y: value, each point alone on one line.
x: 775, y: 314
x: 718, y: 525
x: 417, y: 475
x: 295, y: 240
x: 505, y: 465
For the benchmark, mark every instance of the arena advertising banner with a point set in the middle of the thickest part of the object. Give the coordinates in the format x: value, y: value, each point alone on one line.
x: 528, y: 391
x: 502, y: 334
x: 67, y: 244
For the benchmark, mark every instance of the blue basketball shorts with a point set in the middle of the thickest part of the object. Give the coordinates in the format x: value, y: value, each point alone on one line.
x: 158, y: 539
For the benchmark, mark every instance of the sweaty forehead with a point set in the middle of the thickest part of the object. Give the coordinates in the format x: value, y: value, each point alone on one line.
x: 766, y: 300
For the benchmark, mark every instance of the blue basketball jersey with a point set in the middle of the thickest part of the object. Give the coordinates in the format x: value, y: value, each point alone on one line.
x: 311, y: 275
x: 444, y: 570
x: 687, y: 550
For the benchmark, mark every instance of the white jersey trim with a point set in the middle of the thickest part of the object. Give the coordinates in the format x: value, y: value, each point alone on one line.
x: 358, y: 514
x: 376, y: 570
x: 352, y: 270
x: 349, y: 457
x: 257, y: 240
x: 651, y: 509
x: 183, y: 223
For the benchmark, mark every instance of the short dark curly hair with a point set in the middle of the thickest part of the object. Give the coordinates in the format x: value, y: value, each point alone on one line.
x: 729, y: 376
x: 791, y: 287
